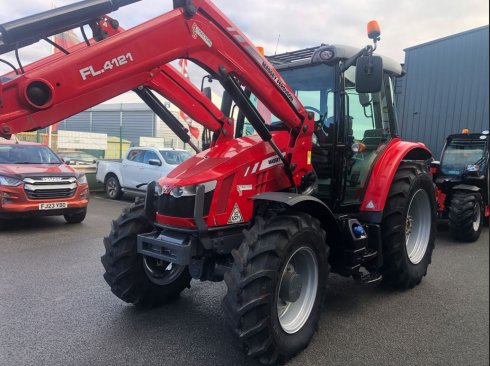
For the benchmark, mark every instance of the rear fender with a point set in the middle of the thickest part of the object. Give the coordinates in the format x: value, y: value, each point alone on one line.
x: 308, y: 204
x: 385, y: 168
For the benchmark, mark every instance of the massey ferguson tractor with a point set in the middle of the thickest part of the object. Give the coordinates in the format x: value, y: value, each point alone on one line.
x: 305, y: 173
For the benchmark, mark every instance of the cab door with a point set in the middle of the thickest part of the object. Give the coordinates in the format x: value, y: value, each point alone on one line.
x: 368, y: 128
x: 132, y: 168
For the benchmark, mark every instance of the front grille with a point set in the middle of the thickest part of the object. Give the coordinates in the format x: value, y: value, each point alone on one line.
x: 50, y: 187
x: 169, y: 205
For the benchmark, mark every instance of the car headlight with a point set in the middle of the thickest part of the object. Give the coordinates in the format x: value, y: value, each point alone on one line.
x: 191, y: 190
x: 82, y: 179
x: 9, y: 181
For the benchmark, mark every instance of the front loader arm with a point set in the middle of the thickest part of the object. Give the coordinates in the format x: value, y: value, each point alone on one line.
x: 70, y: 84
x: 168, y: 82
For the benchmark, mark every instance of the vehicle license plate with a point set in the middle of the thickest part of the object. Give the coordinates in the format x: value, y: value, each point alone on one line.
x: 53, y: 205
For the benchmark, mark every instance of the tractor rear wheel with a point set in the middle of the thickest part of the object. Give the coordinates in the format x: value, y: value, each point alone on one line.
x: 276, y: 286
x: 132, y: 277
x: 408, y: 226
x: 466, y: 216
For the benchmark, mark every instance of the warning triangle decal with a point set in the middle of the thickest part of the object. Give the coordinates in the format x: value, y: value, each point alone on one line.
x: 236, y: 215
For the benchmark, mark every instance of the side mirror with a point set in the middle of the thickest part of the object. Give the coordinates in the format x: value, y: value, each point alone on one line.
x: 369, y: 74
x: 155, y: 162
x: 434, y: 167
x: 364, y: 99
x: 207, y: 92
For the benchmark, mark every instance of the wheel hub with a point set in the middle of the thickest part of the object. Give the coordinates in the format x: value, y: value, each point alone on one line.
x: 408, y: 226
x: 161, y: 272
x: 297, y: 290
x: 418, y: 226
x: 290, y: 287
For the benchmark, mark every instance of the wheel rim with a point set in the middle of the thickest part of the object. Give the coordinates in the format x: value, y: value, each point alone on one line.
x: 477, y: 217
x: 303, y: 266
x: 111, y: 188
x: 418, y: 225
x: 161, y: 272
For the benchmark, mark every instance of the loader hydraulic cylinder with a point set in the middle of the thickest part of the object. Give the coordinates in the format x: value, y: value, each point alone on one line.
x: 25, y: 31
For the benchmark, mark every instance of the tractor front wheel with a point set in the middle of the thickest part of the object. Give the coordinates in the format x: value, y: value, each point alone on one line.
x: 466, y: 216
x: 276, y: 286
x: 135, y: 278
x: 408, y: 226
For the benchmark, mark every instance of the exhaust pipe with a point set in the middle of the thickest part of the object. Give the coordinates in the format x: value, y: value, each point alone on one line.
x: 25, y: 31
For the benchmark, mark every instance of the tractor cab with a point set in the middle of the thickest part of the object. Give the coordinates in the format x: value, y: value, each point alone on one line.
x: 352, y: 128
x: 464, y: 158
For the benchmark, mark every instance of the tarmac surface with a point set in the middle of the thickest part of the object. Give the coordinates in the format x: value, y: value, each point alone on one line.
x: 56, y: 309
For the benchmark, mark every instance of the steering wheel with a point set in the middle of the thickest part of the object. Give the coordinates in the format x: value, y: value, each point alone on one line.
x: 321, y: 120
x: 307, y: 107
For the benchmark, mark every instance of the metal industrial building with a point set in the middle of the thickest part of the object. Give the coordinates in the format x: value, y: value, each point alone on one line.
x: 130, y: 121
x: 445, y: 88
x: 126, y: 119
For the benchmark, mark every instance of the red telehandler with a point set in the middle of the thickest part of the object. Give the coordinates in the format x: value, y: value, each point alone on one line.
x: 311, y: 177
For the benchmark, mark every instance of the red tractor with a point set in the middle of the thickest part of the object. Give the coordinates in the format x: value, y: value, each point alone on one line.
x: 311, y: 176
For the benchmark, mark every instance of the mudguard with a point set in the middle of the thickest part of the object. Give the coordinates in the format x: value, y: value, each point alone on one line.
x: 384, y: 171
x: 308, y: 204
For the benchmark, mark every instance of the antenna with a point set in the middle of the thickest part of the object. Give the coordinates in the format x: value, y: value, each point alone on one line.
x: 277, y: 44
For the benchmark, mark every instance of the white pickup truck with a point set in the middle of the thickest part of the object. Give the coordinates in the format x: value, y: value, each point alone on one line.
x: 141, y: 165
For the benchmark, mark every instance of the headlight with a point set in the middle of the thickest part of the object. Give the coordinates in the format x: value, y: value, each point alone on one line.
x: 191, y: 190
x: 9, y: 181
x: 82, y: 179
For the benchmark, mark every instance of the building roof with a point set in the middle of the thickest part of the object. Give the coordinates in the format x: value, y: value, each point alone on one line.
x: 457, y: 35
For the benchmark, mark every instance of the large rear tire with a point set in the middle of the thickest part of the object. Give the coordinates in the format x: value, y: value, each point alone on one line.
x: 276, y: 286
x: 466, y: 216
x: 133, y: 277
x: 408, y: 226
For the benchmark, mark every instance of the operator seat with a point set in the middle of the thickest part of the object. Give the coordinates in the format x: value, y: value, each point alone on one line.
x: 373, y: 138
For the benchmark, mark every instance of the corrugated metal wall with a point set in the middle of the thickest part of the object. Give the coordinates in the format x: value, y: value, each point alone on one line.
x: 445, y: 88
x: 135, y: 123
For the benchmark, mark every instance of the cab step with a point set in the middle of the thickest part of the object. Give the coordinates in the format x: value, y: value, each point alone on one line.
x: 369, y: 279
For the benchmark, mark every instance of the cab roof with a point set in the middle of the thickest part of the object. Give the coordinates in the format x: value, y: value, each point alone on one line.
x: 304, y: 56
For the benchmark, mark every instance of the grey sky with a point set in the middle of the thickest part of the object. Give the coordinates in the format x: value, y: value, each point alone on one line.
x: 404, y: 23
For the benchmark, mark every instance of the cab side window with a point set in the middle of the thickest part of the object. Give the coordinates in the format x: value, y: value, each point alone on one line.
x: 136, y: 156
x: 367, y: 113
x: 150, y: 155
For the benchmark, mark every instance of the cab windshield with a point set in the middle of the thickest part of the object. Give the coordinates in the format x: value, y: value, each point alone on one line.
x: 27, y: 154
x: 458, y: 156
x: 313, y: 85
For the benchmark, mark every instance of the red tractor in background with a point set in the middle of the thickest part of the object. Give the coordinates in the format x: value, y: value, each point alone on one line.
x: 309, y: 178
